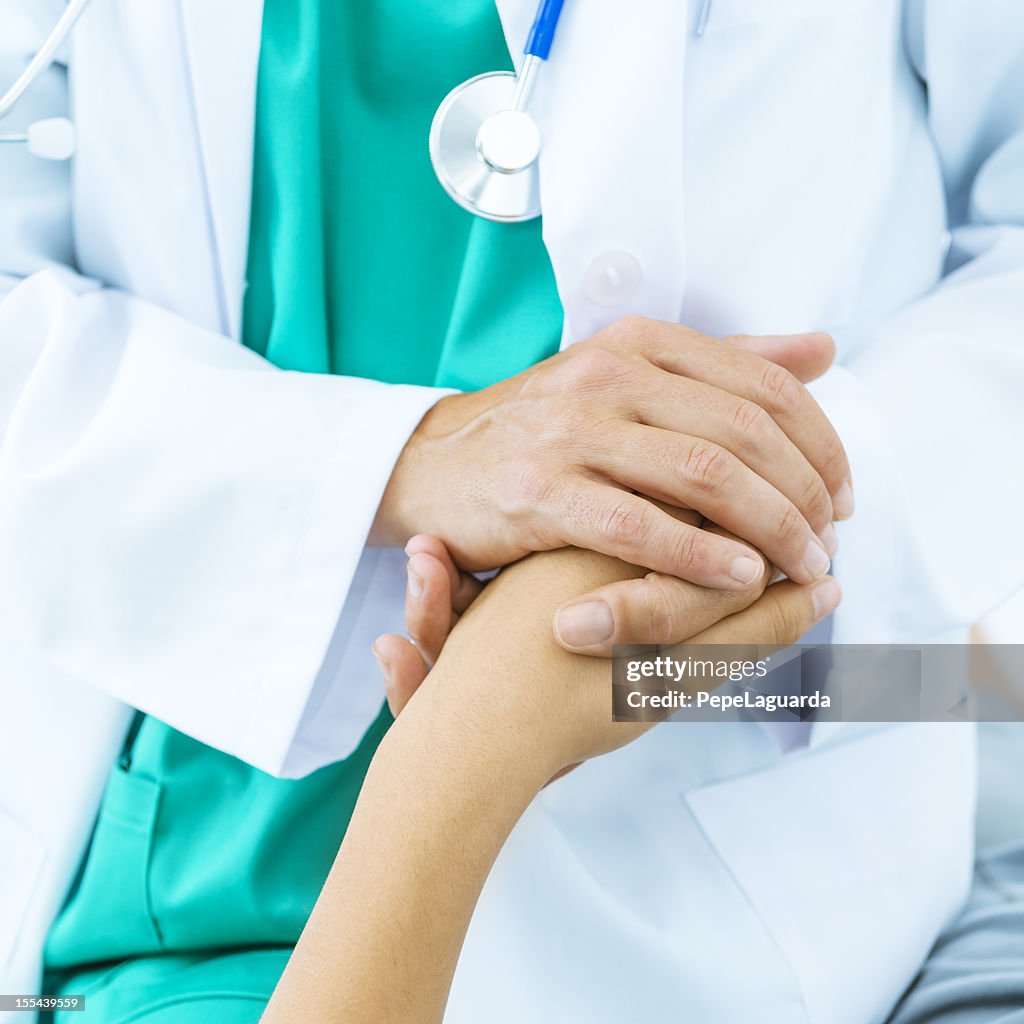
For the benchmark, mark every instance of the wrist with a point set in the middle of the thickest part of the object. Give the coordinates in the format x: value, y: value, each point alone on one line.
x: 499, y: 729
x: 397, y: 514
x: 423, y: 472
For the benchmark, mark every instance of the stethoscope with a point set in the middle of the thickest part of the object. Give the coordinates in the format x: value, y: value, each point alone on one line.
x: 54, y: 137
x: 484, y: 143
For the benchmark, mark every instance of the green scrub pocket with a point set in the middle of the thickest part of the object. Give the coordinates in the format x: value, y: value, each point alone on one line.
x: 110, y: 915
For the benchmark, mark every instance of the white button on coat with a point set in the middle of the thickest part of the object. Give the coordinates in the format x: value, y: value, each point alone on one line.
x: 612, y: 279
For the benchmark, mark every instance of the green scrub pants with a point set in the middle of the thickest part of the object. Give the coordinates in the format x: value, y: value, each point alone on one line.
x: 201, y: 874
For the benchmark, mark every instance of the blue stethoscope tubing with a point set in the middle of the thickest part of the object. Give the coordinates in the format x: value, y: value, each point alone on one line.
x: 542, y: 34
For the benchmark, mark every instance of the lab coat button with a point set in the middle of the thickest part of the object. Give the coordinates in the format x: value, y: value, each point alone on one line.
x: 612, y: 279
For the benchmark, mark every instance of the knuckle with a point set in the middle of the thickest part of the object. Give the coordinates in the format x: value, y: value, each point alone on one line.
x: 753, y: 424
x: 630, y: 330
x: 666, y: 618
x: 592, y: 367
x: 689, y: 553
x: 641, y: 335
x: 815, y: 501
x: 790, y: 524
x: 833, y: 457
x: 533, y: 486
x: 780, y: 389
x: 707, y: 466
x: 626, y: 524
x: 643, y: 612
x: 784, y: 622
x: 660, y: 626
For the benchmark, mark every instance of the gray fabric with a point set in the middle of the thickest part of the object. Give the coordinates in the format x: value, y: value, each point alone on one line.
x: 975, y: 973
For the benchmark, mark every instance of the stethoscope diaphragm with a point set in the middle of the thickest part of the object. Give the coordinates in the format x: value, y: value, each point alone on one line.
x: 484, y: 151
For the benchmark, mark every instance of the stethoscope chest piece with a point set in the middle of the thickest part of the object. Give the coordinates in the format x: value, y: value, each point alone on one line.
x: 484, y: 150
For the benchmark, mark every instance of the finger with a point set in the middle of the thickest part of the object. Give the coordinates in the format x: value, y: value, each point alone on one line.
x: 403, y: 668
x: 743, y: 428
x: 657, y: 609
x: 781, y: 616
x: 428, y: 604
x: 806, y: 356
x: 731, y: 368
x: 465, y: 587
x: 696, y: 473
x: 599, y: 517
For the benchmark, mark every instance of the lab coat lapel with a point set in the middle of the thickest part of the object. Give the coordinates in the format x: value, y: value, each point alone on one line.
x: 609, y: 103
x: 222, y: 51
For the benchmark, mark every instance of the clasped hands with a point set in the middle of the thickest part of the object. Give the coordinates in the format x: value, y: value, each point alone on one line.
x: 587, y: 448
x: 628, y: 447
x: 595, y: 473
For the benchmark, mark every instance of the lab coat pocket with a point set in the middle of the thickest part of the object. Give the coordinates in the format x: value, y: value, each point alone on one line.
x: 854, y: 862
x: 21, y: 861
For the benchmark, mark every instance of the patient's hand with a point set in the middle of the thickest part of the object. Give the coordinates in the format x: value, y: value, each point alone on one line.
x: 438, y: 594
x: 503, y: 710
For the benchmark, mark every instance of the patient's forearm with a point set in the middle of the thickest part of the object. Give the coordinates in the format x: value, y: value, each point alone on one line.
x: 446, y: 787
x: 504, y: 709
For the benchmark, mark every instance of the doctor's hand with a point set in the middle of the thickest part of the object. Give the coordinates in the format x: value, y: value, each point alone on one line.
x: 572, y: 451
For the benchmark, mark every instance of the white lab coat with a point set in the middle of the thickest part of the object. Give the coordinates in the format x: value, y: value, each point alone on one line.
x: 182, y: 526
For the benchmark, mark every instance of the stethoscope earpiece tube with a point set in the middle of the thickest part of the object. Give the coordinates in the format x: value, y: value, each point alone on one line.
x: 53, y: 138
x: 44, y: 56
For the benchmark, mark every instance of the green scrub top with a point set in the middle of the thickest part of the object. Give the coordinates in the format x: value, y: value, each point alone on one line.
x: 201, y: 870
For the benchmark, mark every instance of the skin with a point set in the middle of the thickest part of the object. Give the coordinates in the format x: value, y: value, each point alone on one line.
x: 476, y: 738
x: 584, y: 448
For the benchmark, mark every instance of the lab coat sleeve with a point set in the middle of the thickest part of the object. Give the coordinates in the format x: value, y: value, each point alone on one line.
x: 930, y: 399
x: 180, y: 522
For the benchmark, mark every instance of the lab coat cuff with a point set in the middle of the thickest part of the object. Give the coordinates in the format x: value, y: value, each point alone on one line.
x: 285, y: 735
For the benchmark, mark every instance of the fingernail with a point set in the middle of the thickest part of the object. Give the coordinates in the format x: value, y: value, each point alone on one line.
x: 842, y: 501
x: 415, y: 584
x: 816, y: 561
x: 826, y: 597
x: 745, y: 570
x: 830, y: 540
x: 382, y: 662
x: 581, y: 625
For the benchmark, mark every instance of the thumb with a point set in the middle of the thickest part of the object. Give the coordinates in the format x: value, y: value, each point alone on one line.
x: 403, y: 668
x: 806, y: 356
